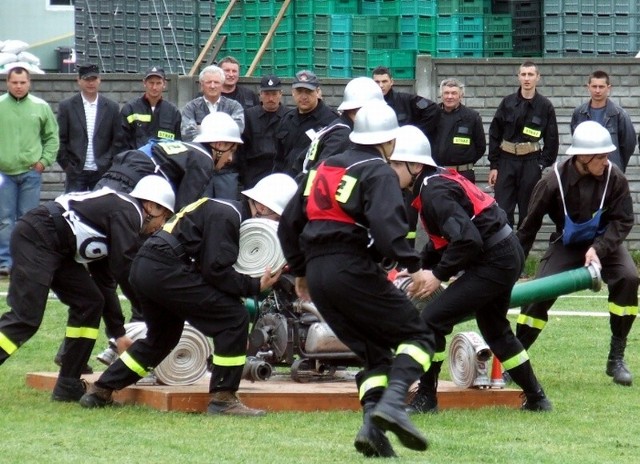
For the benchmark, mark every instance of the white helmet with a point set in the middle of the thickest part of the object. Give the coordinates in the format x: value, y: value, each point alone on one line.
x: 218, y: 127
x: 591, y: 138
x: 156, y: 189
x: 273, y: 191
x: 375, y: 123
x: 412, y: 146
x: 358, y: 92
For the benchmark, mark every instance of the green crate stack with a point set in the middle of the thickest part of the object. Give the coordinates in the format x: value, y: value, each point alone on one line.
x: 498, y: 35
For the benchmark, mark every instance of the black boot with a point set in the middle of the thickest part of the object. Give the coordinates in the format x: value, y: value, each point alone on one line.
x: 68, y: 389
x: 96, y: 397
x: 87, y: 369
x: 535, y: 398
x: 616, y: 367
x: 371, y: 440
x: 537, y: 401
x: 425, y: 399
x: 390, y: 414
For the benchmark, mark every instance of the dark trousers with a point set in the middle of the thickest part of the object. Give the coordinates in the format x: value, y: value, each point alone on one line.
x: 483, y: 292
x: 517, y: 176
x: 83, y: 182
x: 172, y: 292
x: 366, y: 312
x: 39, y: 266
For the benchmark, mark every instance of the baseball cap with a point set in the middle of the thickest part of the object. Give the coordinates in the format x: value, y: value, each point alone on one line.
x: 270, y: 82
x: 305, y: 79
x: 88, y: 70
x: 155, y: 71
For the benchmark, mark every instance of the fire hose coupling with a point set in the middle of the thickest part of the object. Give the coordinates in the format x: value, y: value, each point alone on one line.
x: 596, y: 278
x: 256, y: 369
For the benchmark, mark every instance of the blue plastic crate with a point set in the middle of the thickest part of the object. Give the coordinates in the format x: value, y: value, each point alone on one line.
x: 341, y: 23
x: 418, y: 7
x: 340, y: 40
x: 339, y: 58
x: 417, y: 24
x: 339, y: 71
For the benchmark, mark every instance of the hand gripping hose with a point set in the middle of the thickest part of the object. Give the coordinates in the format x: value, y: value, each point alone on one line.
x: 187, y: 362
x: 403, y: 283
x: 259, y: 247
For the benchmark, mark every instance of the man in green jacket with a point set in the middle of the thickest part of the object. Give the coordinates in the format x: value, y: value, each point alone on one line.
x: 29, y: 144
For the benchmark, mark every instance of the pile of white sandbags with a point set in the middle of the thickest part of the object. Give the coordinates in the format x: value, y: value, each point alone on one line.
x: 14, y: 53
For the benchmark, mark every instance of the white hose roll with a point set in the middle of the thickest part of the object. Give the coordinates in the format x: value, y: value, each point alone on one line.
x: 187, y: 362
x: 259, y: 247
x: 468, y: 356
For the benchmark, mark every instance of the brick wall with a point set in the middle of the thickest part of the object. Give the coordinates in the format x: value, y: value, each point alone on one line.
x: 487, y: 81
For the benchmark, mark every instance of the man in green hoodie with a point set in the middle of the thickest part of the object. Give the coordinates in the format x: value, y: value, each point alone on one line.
x: 29, y: 144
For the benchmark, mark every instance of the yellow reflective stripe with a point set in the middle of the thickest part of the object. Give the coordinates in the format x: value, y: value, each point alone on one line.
x: 133, y: 365
x: 532, y: 132
x: 169, y: 225
x: 411, y: 234
x: 623, y: 310
x: 7, y: 345
x: 523, y: 319
x: 82, y: 332
x: 166, y: 135
x: 138, y: 117
x: 310, y: 177
x: 516, y: 360
x: 439, y: 356
x: 345, y: 189
x: 377, y: 381
x: 418, y: 354
x: 229, y: 361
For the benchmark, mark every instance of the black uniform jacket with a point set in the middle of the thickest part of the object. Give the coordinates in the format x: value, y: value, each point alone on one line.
x: 415, y: 110
x: 369, y: 194
x: 583, y: 195
x: 448, y: 212
x: 140, y: 124
x: 513, y: 115
x: 209, y: 232
x: 461, y: 138
x: 72, y: 123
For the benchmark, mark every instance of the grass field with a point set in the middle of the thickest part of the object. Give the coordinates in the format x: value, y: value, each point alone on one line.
x: 594, y: 421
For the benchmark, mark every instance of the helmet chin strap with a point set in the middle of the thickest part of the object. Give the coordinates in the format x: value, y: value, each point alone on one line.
x: 583, y: 166
x: 413, y: 176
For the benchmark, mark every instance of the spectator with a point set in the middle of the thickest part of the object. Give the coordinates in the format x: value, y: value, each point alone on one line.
x: 230, y: 88
x: 90, y: 132
x: 461, y: 141
x: 300, y: 124
x: 601, y: 109
x: 259, y: 150
x: 29, y: 142
x: 410, y: 108
x: 523, y: 140
x: 587, y: 198
x: 150, y: 116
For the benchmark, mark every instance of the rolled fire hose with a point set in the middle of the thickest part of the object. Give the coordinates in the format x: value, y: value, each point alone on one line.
x: 259, y: 247
x: 403, y: 284
x: 467, y: 357
x: 187, y: 362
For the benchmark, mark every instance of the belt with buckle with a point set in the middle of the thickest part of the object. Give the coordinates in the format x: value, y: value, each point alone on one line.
x: 520, y: 148
x: 502, y: 234
x: 461, y: 167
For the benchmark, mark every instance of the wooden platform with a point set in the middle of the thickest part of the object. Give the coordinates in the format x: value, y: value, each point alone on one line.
x: 280, y: 393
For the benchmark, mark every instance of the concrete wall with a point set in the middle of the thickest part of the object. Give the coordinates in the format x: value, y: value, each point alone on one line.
x: 487, y: 82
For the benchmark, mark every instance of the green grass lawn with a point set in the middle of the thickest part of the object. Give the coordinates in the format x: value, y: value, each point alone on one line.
x: 594, y: 421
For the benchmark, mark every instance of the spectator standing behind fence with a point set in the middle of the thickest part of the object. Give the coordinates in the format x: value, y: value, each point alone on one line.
x: 150, y: 116
x: 90, y: 132
x: 461, y: 141
x: 230, y: 88
x: 523, y: 140
x: 259, y: 150
x: 601, y: 109
x: 29, y: 142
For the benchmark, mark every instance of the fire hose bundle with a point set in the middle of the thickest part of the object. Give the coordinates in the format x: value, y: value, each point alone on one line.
x: 259, y: 247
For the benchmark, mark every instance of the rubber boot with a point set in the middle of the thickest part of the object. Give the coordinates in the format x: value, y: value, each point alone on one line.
x: 535, y: 398
x: 616, y: 367
x: 425, y: 399
x: 228, y: 404
x: 371, y: 441
x: 68, y: 389
x: 390, y: 414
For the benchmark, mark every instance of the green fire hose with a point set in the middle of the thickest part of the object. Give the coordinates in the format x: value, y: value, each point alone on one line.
x: 553, y: 286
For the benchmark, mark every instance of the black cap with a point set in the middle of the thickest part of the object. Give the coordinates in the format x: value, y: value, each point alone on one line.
x: 306, y: 79
x: 270, y: 82
x: 87, y: 71
x: 155, y: 71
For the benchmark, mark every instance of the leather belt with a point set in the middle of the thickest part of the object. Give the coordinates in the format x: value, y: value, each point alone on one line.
x: 461, y: 167
x: 520, y: 148
x: 496, y: 238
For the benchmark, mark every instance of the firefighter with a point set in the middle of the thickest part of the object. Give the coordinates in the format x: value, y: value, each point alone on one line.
x: 468, y: 232
x: 587, y: 198
x: 51, y: 246
x: 347, y: 214
x: 185, y: 273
